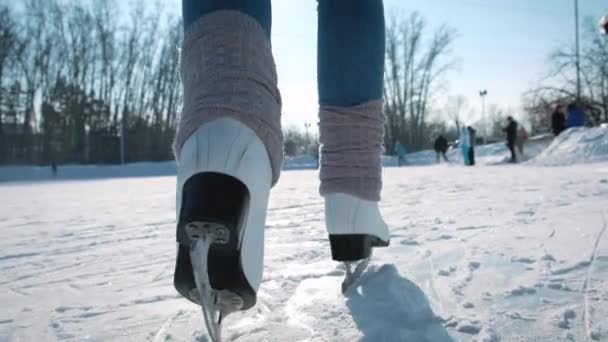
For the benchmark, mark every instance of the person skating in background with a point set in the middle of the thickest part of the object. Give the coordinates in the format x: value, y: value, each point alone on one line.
x: 472, y: 140
x: 464, y: 143
x: 576, y: 116
x: 441, y: 147
x: 401, y: 152
x: 511, y: 131
x: 54, y: 168
x: 558, y: 120
x: 522, y: 137
x: 229, y: 144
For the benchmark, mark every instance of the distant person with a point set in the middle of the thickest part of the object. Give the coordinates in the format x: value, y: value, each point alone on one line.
x: 54, y: 168
x: 576, y: 116
x: 464, y: 143
x: 558, y: 120
x: 511, y: 131
x: 472, y: 138
x: 401, y: 152
x: 522, y: 137
x: 441, y: 147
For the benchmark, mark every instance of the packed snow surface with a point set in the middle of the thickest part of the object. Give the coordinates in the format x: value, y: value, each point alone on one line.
x: 490, y: 253
x: 497, y: 252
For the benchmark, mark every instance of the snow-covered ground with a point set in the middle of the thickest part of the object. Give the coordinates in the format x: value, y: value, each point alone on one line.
x: 491, y: 253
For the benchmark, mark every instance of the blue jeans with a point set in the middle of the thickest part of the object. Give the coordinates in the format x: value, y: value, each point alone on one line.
x: 350, y: 57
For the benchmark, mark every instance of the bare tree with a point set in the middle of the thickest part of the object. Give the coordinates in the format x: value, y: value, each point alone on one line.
x: 414, y: 68
x: 73, y: 72
x: 8, y: 41
x: 559, y: 86
x: 454, y: 109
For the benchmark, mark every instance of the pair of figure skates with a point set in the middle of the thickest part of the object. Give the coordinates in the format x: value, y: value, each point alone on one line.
x: 223, y: 184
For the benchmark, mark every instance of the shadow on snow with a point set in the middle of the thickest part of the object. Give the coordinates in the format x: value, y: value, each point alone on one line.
x: 389, y: 307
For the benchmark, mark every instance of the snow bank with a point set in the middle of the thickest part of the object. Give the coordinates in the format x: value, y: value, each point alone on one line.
x: 305, y: 162
x: 574, y: 146
x: 38, y: 173
x: 577, y: 145
x: 144, y: 169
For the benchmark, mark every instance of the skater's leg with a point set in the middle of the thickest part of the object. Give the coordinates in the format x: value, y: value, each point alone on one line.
x: 471, y: 156
x: 224, y: 78
x: 350, y: 79
x: 228, y: 148
x: 520, y: 147
x: 511, y: 146
x: 465, y: 154
x: 192, y: 10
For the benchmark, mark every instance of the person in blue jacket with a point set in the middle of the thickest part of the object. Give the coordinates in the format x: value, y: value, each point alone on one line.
x: 465, y: 142
x: 400, y: 150
x: 576, y: 116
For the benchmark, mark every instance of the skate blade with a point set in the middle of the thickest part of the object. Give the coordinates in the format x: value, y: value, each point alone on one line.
x: 354, y: 271
x: 215, y: 304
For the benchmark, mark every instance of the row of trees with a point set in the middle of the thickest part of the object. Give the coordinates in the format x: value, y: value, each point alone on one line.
x: 81, y: 82
x: 76, y: 75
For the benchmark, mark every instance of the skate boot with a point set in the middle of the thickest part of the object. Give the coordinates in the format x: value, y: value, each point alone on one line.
x: 355, y: 226
x: 223, y: 183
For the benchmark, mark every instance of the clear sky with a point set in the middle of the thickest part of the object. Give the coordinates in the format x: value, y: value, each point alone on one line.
x: 503, y: 46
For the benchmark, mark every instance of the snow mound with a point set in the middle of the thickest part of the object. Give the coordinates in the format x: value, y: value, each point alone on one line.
x: 82, y: 172
x: 579, y: 145
x: 303, y: 162
x: 22, y: 173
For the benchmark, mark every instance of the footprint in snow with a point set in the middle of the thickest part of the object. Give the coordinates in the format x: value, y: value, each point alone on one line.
x: 525, y: 213
x: 564, y: 320
x: 524, y: 260
x: 470, y: 328
x: 473, y: 265
x: 448, y: 272
x: 548, y: 257
x: 409, y: 242
x: 521, y: 291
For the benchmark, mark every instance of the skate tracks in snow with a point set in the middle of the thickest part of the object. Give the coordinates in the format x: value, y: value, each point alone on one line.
x: 494, y: 253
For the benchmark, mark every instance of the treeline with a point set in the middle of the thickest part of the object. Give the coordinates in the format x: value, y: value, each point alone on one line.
x: 81, y: 82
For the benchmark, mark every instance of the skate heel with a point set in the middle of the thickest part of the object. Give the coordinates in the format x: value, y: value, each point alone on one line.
x: 354, y: 226
x: 210, y: 229
x: 353, y: 247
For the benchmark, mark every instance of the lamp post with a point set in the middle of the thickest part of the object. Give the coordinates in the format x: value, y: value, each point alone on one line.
x: 87, y: 143
x: 578, y: 58
x: 122, y: 142
x: 483, y: 94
